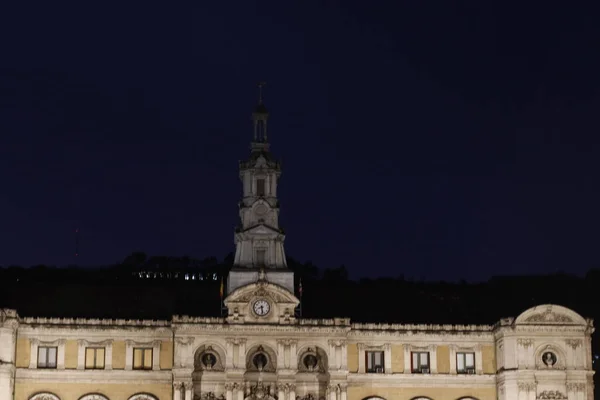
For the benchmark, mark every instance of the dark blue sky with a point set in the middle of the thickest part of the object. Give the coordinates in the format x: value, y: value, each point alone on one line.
x: 418, y: 138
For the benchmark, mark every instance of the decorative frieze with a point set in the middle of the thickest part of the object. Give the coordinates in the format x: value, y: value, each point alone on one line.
x: 576, y: 386
x: 573, y: 343
x: 526, y: 343
x: 551, y: 395
x: 527, y: 386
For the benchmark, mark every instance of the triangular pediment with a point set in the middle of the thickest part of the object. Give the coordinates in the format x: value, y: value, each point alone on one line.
x: 262, y: 289
x: 262, y: 229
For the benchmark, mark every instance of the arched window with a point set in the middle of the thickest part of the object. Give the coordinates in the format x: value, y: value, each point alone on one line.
x: 93, y: 396
x: 143, y: 396
x: 44, y: 396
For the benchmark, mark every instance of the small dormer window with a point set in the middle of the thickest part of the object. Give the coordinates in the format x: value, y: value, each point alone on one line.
x: 260, y: 187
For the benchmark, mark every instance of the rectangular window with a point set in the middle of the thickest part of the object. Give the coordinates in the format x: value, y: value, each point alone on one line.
x: 94, y: 357
x: 47, y: 357
x: 420, y: 362
x: 260, y: 257
x: 465, y: 363
x: 142, y: 358
x: 260, y: 187
x: 374, y: 362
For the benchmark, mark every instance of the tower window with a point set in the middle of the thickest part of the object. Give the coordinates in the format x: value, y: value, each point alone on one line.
x: 260, y: 187
x: 260, y: 257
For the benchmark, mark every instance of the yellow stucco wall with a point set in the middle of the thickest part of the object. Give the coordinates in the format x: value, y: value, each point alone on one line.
x: 23, y: 353
x: 71, y: 352
x: 166, y: 355
x: 118, y: 360
x: 397, y: 358
x: 441, y: 393
x: 488, y: 355
x: 352, y: 357
x: 67, y: 391
x: 443, y: 360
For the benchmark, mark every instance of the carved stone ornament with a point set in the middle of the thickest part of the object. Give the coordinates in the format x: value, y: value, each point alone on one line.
x: 573, y: 343
x: 549, y: 316
x: 549, y: 359
x: 208, y: 396
x: 143, y: 396
x: 526, y: 343
x: 313, y: 359
x: 184, y: 341
x: 208, y: 360
x: 260, y: 392
x: 576, y: 387
x: 177, y: 385
x: 261, y: 360
x: 551, y: 395
x: 44, y: 396
x: 527, y: 386
x: 93, y: 397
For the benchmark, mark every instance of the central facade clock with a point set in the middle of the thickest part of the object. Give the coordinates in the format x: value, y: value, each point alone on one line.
x: 261, y: 307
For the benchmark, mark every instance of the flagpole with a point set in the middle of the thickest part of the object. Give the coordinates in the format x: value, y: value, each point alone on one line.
x: 300, y: 295
x: 221, y: 297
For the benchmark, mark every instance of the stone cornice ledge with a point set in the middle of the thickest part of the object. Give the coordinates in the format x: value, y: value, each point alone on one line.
x: 261, y: 328
x: 421, y: 380
x: 404, y: 328
x: 94, y: 376
x: 79, y: 322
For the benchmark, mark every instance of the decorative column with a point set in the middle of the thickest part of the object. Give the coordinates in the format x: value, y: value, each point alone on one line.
x: 407, y: 359
x: 177, y: 386
x: 344, y: 392
x: 189, y: 390
x: 281, y: 391
x: 433, y: 358
x: 281, y: 347
x: 241, y: 343
x: 387, y: 358
x: 333, y: 392
x: 479, y: 360
x: 182, y: 351
x: 333, y: 364
x: 338, y: 356
x: 576, y: 390
x: 229, y: 354
x: 527, y: 390
x: 292, y: 391
x: 293, y: 356
x: 453, y: 349
x: 229, y: 391
x: 240, y: 390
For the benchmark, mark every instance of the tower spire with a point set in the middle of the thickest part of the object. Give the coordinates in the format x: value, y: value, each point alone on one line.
x: 260, y: 117
x: 259, y: 250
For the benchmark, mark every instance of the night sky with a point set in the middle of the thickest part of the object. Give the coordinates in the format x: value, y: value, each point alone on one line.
x: 418, y: 138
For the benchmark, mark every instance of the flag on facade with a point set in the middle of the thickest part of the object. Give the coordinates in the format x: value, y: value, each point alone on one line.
x: 221, y: 288
x: 300, y: 288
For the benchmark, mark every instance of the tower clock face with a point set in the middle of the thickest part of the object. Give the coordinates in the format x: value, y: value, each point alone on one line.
x: 261, y: 307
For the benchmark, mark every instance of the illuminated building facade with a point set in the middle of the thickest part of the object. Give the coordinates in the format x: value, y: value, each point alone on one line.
x: 262, y: 349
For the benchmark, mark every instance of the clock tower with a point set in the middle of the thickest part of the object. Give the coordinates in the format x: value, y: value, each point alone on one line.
x: 259, y: 253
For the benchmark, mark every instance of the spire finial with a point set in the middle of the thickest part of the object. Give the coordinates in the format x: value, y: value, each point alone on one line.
x: 260, y: 90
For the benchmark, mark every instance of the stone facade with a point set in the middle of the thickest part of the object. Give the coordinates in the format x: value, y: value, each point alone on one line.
x: 261, y: 349
x: 544, y: 353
